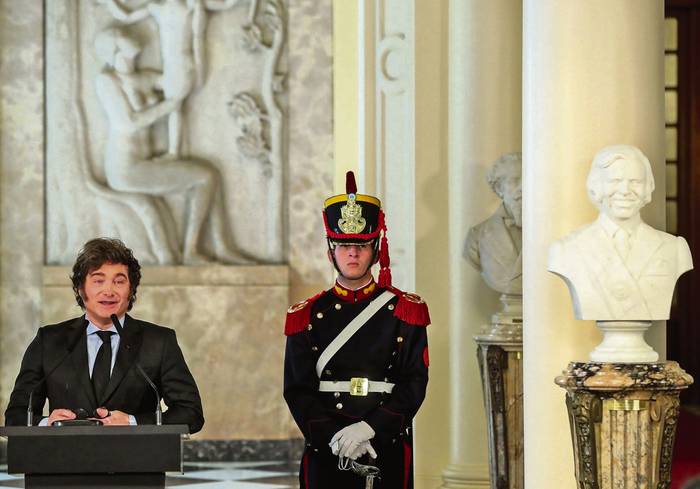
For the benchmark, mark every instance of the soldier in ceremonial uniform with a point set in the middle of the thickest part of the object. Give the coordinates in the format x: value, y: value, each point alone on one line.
x: 356, y: 362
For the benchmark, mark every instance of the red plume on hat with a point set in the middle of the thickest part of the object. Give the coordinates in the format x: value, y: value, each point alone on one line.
x: 350, y: 185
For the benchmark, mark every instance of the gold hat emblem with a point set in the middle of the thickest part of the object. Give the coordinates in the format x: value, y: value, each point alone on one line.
x: 351, y: 221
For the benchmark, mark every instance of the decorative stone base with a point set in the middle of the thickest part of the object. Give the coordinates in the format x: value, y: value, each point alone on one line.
x: 623, y: 342
x: 501, y: 368
x: 507, y: 324
x: 623, y: 422
x: 243, y: 450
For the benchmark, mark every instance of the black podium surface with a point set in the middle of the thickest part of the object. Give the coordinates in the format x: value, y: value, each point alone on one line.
x: 102, y: 457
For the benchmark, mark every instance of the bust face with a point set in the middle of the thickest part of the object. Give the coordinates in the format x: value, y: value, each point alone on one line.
x: 623, y: 189
x: 511, y: 188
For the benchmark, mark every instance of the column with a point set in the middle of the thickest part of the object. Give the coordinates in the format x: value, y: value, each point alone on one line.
x: 485, y: 41
x: 592, y: 76
x: 402, y: 148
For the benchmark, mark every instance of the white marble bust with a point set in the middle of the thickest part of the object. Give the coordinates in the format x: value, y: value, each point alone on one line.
x: 494, y: 246
x: 618, y: 268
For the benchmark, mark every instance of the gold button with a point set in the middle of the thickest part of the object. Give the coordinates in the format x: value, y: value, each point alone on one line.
x: 309, y: 327
x: 319, y: 315
x: 314, y: 348
x: 339, y: 405
x: 336, y: 394
x: 391, y: 307
x: 337, y: 307
x: 399, y: 339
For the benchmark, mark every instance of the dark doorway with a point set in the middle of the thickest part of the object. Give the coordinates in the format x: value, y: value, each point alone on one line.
x: 683, y: 178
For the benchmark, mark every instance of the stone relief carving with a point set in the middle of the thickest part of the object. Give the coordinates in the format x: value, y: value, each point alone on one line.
x: 262, y: 123
x: 131, y: 102
x: 148, y: 148
x: 619, y: 270
x: 181, y: 27
x: 251, y: 119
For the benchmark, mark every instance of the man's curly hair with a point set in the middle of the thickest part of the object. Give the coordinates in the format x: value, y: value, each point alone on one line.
x: 96, y: 253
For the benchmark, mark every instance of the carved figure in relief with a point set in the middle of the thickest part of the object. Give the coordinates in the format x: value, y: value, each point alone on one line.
x: 132, y: 105
x: 494, y: 246
x: 181, y: 27
x: 618, y: 267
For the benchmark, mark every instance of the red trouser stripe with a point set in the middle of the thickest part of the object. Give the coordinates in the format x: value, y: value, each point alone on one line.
x: 306, y: 470
x: 406, y: 463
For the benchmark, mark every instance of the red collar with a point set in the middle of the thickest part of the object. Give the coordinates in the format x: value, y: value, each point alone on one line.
x: 347, y: 295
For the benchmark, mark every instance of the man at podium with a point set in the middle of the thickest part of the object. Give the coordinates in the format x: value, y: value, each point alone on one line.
x: 95, y: 366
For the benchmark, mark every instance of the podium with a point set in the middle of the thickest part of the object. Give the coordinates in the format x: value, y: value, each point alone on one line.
x: 105, y: 457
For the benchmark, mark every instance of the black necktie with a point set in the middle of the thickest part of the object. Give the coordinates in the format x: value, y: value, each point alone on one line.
x: 103, y: 364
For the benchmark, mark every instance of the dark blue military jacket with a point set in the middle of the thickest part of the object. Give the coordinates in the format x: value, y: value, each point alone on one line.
x: 392, y: 347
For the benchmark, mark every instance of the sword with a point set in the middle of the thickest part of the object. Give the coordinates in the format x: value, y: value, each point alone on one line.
x: 369, y: 472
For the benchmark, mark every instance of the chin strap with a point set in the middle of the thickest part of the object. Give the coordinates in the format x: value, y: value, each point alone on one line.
x: 331, y: 247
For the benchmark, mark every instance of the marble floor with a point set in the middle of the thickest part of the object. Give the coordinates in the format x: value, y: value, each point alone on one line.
x: 213, y: 475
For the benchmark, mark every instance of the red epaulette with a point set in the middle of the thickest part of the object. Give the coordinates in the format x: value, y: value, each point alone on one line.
x: 299, y: 316
x: 411, y: 309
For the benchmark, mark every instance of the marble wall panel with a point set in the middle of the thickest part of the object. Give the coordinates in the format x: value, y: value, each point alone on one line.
x: 21, y: 182
x: 229, y: 323
x: 311, y: 166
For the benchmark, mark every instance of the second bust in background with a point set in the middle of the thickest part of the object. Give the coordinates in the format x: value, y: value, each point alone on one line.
x: 494, y: 246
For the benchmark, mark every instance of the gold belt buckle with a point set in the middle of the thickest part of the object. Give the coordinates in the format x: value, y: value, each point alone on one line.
x: 359, y: 386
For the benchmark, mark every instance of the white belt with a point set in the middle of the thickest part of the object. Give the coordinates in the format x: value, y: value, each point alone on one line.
x: 357, y: 386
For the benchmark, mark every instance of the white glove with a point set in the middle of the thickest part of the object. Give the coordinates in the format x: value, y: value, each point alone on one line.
x: 365, y: 447
x: 349, y: 438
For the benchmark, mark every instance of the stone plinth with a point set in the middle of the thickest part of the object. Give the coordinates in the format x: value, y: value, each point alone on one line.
x: 229, y: 322
x: 500, y: 361
x: 623, y: 422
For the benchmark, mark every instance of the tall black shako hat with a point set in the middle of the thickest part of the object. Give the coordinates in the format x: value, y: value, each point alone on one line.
x: 353, y: 218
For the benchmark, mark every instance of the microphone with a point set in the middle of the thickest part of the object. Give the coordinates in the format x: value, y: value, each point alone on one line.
x: 159, y: 412
x: 30, y: 410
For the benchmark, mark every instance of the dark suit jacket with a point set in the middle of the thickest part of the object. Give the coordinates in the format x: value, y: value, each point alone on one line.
x: 69, y: 386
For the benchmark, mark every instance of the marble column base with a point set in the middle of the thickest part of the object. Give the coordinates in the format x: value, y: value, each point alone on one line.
x: 623, y: 422
x: 507, y: 324
x: 460, y: 476
x: 243, y: 450
x: 501, y: 366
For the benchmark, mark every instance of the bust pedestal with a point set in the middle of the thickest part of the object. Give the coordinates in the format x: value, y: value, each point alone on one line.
x: 623, y: 421
x: 500, y: 361
x: 623, y: 341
